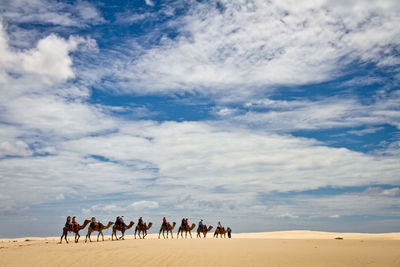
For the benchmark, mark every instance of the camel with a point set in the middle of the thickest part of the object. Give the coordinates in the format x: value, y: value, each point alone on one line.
x: 99, y: 227
x: 75, y: 230
x: 203, y: 230
x: 221, y: 232
x: 122, y: 229
x: 168, y: 228
x: 187, y: 229
x: 143, y: 229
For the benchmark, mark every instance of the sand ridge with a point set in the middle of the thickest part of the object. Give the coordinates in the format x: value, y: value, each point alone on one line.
x: 287, y: 248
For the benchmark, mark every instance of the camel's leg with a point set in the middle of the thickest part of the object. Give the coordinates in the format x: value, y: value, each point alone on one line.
x: 190, y: 232
x: 159, y: 234
x: 65, y: 237
x: 122, y: 236
x: 63, y: 234
x: 88, y: 235
x: 102, y: 235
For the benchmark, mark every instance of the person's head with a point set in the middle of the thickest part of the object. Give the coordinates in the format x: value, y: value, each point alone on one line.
x: 164, y: 218
x: 73, y: 219
x: 68, y: 218
x: 93, y: 219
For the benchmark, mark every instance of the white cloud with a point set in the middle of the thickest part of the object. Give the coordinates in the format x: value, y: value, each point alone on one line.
x: 60, y: 197
x: 288, y: 216
x: 378, y: 191
x: 149, y: 2
x: 144, y: 204
x: 365, y: 131
x: 47, y: 12
x: 257, y: 44
x: 321, y: 114
x: 14, y: 148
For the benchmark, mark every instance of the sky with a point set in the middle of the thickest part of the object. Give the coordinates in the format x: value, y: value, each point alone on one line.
x: 265, y: 115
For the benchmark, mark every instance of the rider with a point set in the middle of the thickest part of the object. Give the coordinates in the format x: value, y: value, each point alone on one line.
x: 164, y: 222
x: 186, y: 222
x: 117, y: 221
x: 121, y: 221
x: 219, y: 226
x: 75, y: 225
x: 140, y: 222
x: 93, y: 223
x: 183, y: 223
x: 201, y: 226
x: 68, y: 223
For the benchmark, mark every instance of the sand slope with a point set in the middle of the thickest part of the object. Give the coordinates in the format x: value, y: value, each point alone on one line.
x: 292, y: 248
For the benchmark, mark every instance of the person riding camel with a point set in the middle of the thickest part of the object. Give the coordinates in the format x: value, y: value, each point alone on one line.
x: 164, y: 223
x: 121, y: 221
x: 117, y: 221
x: 219, y: 226
x: 140, y: 223
x: 201, y: 225
x: 93, y: 223
x: 75, y: 225
x: 183, y: 223
x: 68, y: 223
x: 186, y: 223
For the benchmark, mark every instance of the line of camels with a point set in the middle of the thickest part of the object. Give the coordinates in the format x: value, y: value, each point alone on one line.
x: 99, y: 227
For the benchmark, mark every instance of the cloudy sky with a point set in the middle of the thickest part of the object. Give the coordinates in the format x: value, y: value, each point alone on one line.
x: 266, y: 115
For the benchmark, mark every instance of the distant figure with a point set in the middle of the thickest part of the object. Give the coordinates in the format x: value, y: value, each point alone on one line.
x: 121, y: 221
x: 93, y: 223
x: 229, y: 232
x: 68, y: 223
x: 140, y: 222
x: 75, y: 225
x: 164, y: 223
x: 201, y: 225
x: 183, y: 223
x: 117, y: 221
x: 186, y: 223
x: 219, y: 226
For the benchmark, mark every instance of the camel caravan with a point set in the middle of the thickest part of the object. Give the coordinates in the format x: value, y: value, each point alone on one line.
x: 140, y: 229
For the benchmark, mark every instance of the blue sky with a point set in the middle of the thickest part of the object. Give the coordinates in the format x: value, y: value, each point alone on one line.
x: 275, y: 115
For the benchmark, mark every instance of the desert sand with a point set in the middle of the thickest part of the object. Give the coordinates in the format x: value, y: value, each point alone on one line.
x: 288, y: 248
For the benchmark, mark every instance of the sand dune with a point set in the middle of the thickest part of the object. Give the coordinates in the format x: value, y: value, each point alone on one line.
x: 288, y: 248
